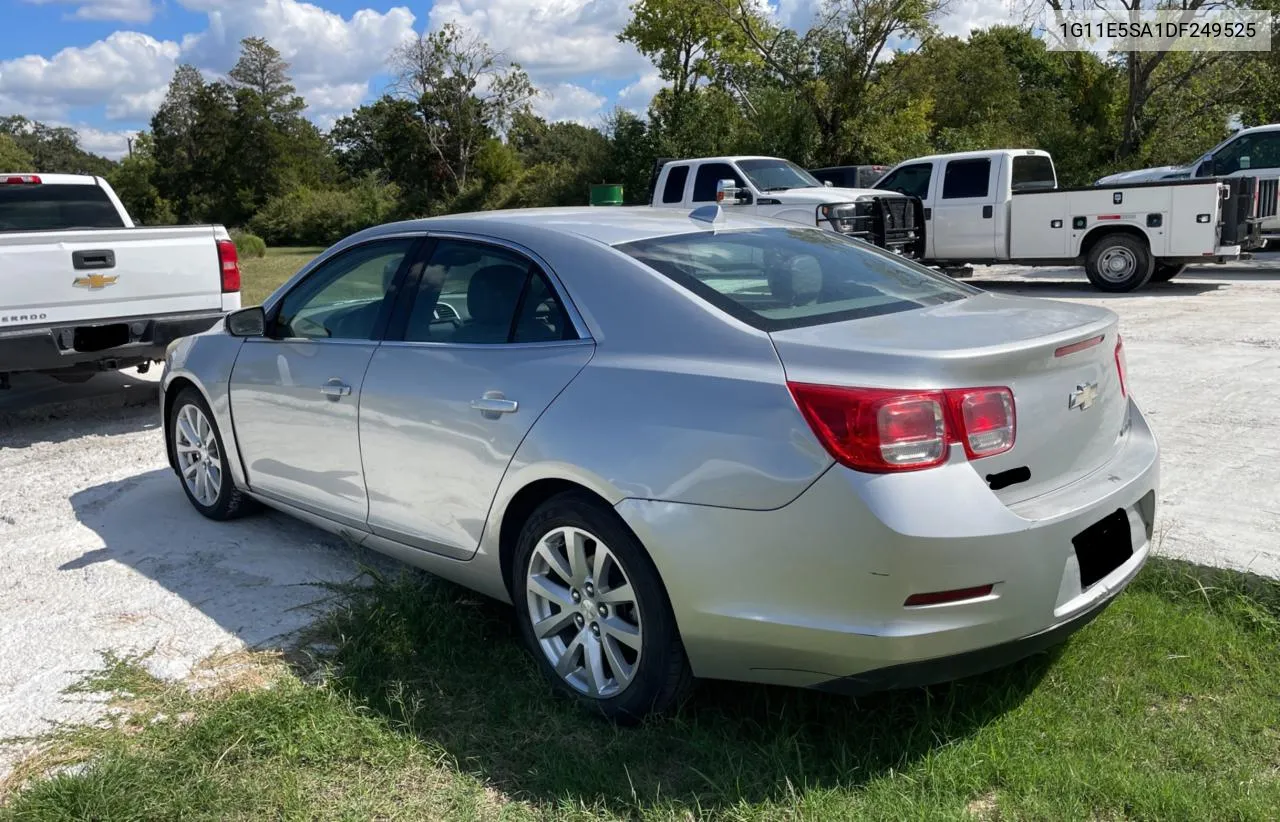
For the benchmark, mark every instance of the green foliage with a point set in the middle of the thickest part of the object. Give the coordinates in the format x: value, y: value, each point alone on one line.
x: 134, y: 182
x: 13, y: 157
x: 248, y: 246
x: 52, y: 149
x: 309, y: 216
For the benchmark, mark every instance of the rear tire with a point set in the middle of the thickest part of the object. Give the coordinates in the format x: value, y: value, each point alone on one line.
x: 1165, y: 272
x: 1119, y: 263
x: 606, y: 635
x: 193, y: 438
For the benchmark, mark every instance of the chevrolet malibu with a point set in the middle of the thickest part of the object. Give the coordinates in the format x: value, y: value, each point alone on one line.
x: 686, y: 444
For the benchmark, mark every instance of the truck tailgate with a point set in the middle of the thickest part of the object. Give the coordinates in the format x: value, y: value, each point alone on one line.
x: 95, y: 274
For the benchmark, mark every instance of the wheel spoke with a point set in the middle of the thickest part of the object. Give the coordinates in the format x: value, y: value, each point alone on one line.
x: 575, y: 544
x: 190, y: 471
x: 185, y: 447
x: 552, y: 557
x: 622, y: 595
x: 598, y: 565
x: 568, y: 663
x: 596, y: 680
x: 188, y: 432
x: 622, y: 672
x: 623, y: 631
x: 553, y: 624
x: 548, y: 590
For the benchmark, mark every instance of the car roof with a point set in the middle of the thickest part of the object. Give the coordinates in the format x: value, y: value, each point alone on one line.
x: 972, y: 155
x: 610, y: 225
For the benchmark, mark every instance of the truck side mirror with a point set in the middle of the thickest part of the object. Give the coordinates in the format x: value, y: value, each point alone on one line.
x: 247, y: 322
x: 727, y: 191
x: 828, y: 184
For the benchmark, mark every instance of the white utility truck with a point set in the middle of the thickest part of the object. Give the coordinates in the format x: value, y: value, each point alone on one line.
x: 1250, y: 152
x: 770, y: 187
x: 1005, y: 206
x: 83, y: 290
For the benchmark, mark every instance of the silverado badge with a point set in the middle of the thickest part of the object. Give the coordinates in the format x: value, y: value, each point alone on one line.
x: 1083, y: 397
x: 95, y: 282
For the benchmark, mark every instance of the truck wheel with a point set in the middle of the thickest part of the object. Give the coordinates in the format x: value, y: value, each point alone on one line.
x: 1165, y: 272
x: 1119, y: 262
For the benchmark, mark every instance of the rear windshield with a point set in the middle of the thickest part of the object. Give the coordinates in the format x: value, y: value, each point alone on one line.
x: 42, y: 207
x: 776, y: 278
x: 1033, y: 172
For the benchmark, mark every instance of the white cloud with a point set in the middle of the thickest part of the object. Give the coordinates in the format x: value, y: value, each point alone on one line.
x: 566, y: 101
x: 551, y: 39
x: 111, y: 144
x: 117, y: 72
x: 962, y: 18
x: 636, y: 96
x: 128, y: 11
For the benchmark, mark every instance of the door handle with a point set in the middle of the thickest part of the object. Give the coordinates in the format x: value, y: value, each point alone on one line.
x: 928, y: 212
x: 493, y: 405
x: 335, y: 388
x: 987, y: 211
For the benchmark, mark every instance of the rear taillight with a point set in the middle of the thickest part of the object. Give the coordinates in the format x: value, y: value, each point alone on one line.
x: 883, y: 430
x: 22, y: 180
x: 229, y: 264
x: 1120, y: 369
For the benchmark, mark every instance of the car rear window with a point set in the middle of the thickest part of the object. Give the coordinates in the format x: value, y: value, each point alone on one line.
x: 776, y: 278
x: 42, y: 207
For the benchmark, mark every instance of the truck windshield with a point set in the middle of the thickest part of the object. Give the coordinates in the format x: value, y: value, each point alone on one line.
x: 776, y: 278
x: 777, y: 175
x: 44, y: 207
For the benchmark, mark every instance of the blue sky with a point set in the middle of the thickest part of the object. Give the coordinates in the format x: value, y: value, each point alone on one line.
x: 101, y: 66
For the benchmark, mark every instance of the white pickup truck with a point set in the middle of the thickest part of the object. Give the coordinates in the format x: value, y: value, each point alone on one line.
x: 1005, y: 206
x: 770, y: 187
x: 83, y: 290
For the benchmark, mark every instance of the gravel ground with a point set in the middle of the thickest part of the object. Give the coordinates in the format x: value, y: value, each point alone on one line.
x: 102, y: 552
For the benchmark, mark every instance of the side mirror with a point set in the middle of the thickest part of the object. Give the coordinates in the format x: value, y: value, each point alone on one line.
x: 247, y: 322
x: 828, y: 184
x: 728, y: 191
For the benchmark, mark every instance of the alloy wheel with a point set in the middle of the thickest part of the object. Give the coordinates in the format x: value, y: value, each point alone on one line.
x: 199, y: 459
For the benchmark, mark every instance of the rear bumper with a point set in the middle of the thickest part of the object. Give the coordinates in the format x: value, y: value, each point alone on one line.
x: 101, y: 344
x: 814, y: 593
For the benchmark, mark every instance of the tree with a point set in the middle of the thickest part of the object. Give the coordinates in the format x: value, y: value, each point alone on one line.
x: 13, y: 157
x: 134, y: 181
x: 173, y: 138
x: 389, y: 139
x: 53, y: 149
x: 688, y: 41
x: 263, y: 71
x: 465, y: 92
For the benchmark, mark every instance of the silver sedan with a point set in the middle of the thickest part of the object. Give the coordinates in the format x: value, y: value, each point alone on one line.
x: 687, y: 444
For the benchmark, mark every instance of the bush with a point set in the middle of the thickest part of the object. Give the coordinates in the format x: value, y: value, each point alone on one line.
x: 309, y: 216
x: 248, y: 245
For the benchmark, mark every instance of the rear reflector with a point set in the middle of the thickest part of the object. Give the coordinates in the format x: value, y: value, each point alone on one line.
x: 1120, y: 366
x: 883, y: 430
x: 941, y: 597
x: 229, y: 264
x: 1079, y: 346
x: 22, y: 180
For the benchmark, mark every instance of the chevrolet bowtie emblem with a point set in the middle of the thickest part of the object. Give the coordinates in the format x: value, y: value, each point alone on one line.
x: 1084, y: 396
x: 95, y: 282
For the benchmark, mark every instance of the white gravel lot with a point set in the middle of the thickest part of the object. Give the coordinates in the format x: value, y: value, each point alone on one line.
x: 100, y: 551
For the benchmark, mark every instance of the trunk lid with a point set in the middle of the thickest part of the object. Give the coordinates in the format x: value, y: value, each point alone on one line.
x: 988, y: 340
x: 153, y: 271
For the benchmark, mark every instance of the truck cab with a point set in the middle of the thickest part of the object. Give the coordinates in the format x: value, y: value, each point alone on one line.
x: 776, y: 188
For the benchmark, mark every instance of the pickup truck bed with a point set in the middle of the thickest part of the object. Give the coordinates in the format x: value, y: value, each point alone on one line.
x: 74, y: 301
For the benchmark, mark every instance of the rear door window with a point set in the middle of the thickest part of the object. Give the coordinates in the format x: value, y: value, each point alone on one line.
x: 964, y: 179
x: 45, y: 207
x: 673, y: 190
x: 776, y: 278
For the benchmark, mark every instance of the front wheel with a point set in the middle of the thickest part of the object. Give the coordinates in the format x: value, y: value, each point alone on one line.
x: 1165, y: 272
x: 593, y: 611
x: 1119, y: 263
x: 201, y: 459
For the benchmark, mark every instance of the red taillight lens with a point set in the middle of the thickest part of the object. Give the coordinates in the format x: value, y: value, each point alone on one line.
x: 987, y: 418
x: 882, y: 430
x: 22, y: 180
x: 229, y: 263
x: 1120, y: 369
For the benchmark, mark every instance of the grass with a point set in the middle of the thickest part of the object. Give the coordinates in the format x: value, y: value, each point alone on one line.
x: 1165, y: 708
x: 260, y: 276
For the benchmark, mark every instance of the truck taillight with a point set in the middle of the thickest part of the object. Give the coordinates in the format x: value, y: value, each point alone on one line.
x: 229, y: 264
x: 1120, y: 366
x: 882, y: 430
x: 22, y: 180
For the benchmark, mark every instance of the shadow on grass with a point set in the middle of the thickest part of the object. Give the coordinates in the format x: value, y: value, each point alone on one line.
x: 447, y: 667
